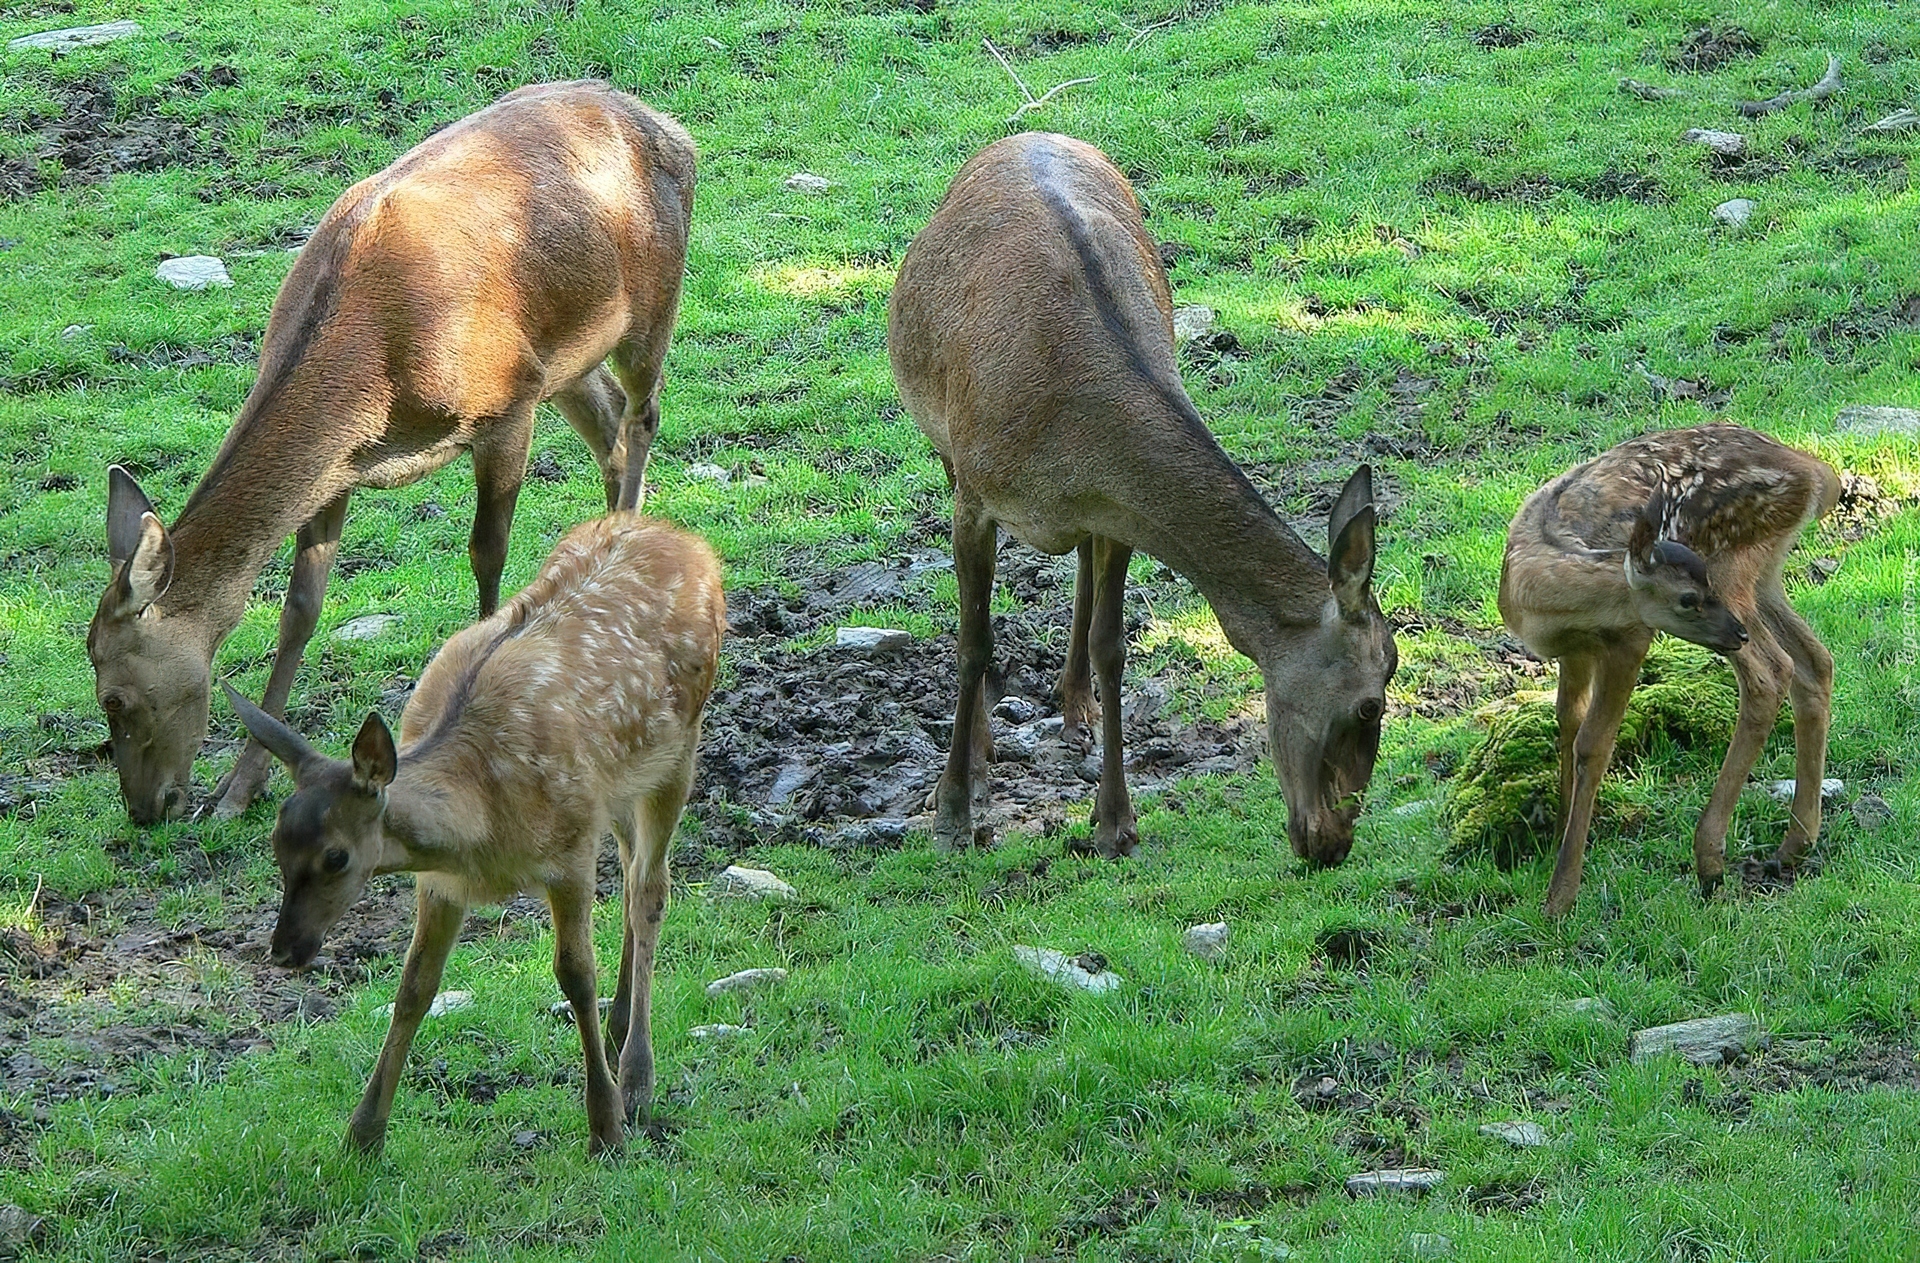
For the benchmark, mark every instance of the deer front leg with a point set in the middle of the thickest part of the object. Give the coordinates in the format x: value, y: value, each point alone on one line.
x: 1570, y: 702
x: 436, y: 925
x: 1615, y: 675
x: 639, y: 366
x: 1812, y: 696
x: 499, y: 467
x: 594, y: 406
x: 314, y: 549
x: 1076, y: 680
x: 974, y: 536
x: 1114, y: 834
x: 1762, y: 671
x: 572, y: 905
x: 646, y: 883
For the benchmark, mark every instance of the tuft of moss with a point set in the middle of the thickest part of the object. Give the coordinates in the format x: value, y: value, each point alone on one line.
x: 1505, y: 798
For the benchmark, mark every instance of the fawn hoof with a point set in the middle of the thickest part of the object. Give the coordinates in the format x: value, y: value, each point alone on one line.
x: 1710, y: 883
x: 365, y: 1141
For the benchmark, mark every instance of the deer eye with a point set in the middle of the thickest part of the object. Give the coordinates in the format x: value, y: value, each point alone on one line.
x: 335, y: 861
x: 113, y: 703
x: 1689, y: 600
x: 1370, y: 710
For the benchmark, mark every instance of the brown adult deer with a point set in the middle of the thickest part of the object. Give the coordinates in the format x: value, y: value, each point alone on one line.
x: 496, y: 264
x: 1031, y: 337
x: 1683, y: 532
x: 573, y: 709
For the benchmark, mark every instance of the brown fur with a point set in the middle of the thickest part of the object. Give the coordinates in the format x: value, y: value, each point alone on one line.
x: 1031, y: 337
x: 1586, y: 581
x: 496, y: 264
x: 572, y: 712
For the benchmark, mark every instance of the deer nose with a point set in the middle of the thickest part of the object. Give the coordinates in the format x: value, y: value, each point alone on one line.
x: 173, y: 803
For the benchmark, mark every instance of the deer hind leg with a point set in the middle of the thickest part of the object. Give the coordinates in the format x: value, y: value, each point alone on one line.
x: 645, y: 884
x: 572, y: 905
x: 594, y: 406
x: 626, y: 830
x: 435, y: 927
x: 314, y: 551
x: 974, y: 537
x: 638, y: 364
x: 1615, y: 674
x: 1811, y: 693
x: 1114, y: 834
x: 499, y: 467
x: 1077, y: 707
x: 1762, y: 670
x: 1570, y: 703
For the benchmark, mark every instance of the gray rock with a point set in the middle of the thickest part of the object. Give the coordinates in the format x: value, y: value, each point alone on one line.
x: 71, y: 332
x: 195, y: 271
x: 1065, y: 970
x: 1706, y: 1041
x: 1418, y: 1181
x: 564, y: 1009
x: 788, y: 782
x: 1208, y: 941
x: 1518, y: 1132
x: 1872, y: 812
x: 1726, y: 144
x: 747, y: 980
x: 72, y: 37
x: 1591, y: 1006
x: 807, y: 182
x: 367, y: 627
x: 1016, y: 710
x: 737, y: 882
x: 717, y: 1030
x: 1429, y: 1245
x: 444, y: 1003
x: 20, y: 1230
x: 1191, y: 322
x: 1872, y: 419
x: 709, y: 473
x: 1782, y: 791
x: 871, y: 639
x: 1734, y: 212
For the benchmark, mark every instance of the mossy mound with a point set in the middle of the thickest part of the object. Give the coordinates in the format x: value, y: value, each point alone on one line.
x: 1505, y: 797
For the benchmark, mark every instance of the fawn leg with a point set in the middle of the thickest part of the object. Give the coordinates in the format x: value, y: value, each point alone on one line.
x: 1762, y: 671
x: 1811, y: 693
x: 572, y: 905
x: 436, y: 925
x: 1617, y: 671
x: 646, y: 885
x: 1570, y: 703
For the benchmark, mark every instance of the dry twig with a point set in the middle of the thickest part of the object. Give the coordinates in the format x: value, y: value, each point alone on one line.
x: 1828, y: 85
x: 1898, y: 121
x: 1647, y: 91
x: 1032, y: 102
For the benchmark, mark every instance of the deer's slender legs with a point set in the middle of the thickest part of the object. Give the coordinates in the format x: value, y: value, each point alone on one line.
x: 1113, y: 823
x: 626, y: 830
x: 645, y: 885
x: 1570, y: 711
x: 595, y: 407
x: 436, y: 925
x: 1762, y: 670
x: 1811, y: 693
x: 1076, y: 680
x: 1615, y: 674
x: 499, y: 467
x: 974, y: 537
x: 638, y: 364
x: 572, y: 905
x: 316, y: 544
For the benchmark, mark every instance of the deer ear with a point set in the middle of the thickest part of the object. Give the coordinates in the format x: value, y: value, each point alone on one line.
x: 126, y: 506
x: 1356, y: 495
x: 1350, y: 561
x: 374, y: 759
x: 1641, y: 539
x: 145, y: 572
x: 281, y: 741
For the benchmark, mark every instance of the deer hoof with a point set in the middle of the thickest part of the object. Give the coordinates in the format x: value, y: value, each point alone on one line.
x: 1709, y: 884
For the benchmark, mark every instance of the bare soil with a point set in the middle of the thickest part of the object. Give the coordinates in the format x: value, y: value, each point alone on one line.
x: 92, y: 139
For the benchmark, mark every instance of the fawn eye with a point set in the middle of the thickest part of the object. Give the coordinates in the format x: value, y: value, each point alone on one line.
x: 335, y: 861
x: 1689, y: 600
x: 1370, y: 710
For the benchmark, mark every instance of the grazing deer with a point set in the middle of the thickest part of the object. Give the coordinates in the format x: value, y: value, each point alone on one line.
x: 573, y: 710
x: 1031, y: 337
x: 1683, y: 532
x: 496, y: 264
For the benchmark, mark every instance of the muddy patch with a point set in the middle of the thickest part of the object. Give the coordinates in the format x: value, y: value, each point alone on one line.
x: 1502, y: 35
x: 1708, y: 48
x: 91, y: 139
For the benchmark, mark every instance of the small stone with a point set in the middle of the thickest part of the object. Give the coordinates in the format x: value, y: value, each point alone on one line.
x: 71, y: 332
x: 808, y: 183
x: 1418, y: 1181
x: 564, y: 1009
x: 196, y: 271
x: 871, y: 639
x: 1066, y: 970
x: 1872, y: 812
x: 72, y: 37
x: 746, y: 980
x: 526, y: 1140
x: 1429, y: 1245
x: 1590, y: 1006
x: 1517, y: 1132
x: 1782, y: 791
x: 737, y: 882
x: 1873, y: 419
x: 1016, y: 710
x: 444, y: 1003
x: 1208, y: 941
x: 367, y: 626
x: 1734, y: 212
x: 709, y: 473
x: 717, y: 1030
x: 20, y: 1230
x: 1706, y: 1041
x: 1726, y: 144
x: 1191, y: 322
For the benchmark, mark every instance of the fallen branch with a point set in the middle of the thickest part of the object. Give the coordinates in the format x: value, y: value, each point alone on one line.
x: 1141, y: 33
x: 1032, y: 102
x: 1828, y: 85
x: 1647, y: 91
x: 1898, y: 121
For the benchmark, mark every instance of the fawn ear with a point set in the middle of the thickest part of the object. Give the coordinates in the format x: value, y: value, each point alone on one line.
x: 282, y: 742
x: 374, y: 759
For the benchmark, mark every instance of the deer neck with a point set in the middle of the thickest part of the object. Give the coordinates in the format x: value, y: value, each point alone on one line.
x: 426, y: 827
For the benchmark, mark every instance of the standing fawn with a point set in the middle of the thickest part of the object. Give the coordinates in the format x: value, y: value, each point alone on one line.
x: 573, y: 710
x: 1031, y: 338
x: 1683, y: 532
x: 496, y: 264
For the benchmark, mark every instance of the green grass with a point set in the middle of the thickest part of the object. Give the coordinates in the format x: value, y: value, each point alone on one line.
x: 1415, y: 238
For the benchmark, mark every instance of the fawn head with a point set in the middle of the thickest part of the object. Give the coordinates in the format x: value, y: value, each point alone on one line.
x: 1670, y: 588
x: 329, y: 838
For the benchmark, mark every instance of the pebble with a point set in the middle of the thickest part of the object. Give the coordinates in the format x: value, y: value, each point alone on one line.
x: 444, y: 1003
x: 1429, y: 1245
x: 709, y: 473
x: 1874, y: 419
x: 1734, y: 212
x: 1706, y: 1041
x: 1590, y: 1006
x: 1517, y: 1132
x: 1016, y: 710
x: 71, y: 332
x: 1191, y: 322
x: 367, y: 626
x: 72, y: 37
x: 1208, y: 941
x: 871, y: 639
x: 747, y: 980
x: 20, y: 1229
x: 1065, y: 970
x: 1782, y: 791
x: 717, y: 1030
x: 749, y: 883
x: 1416, y: 1180
x: 807, y: 182
x: 526, y: 1140
x: 564, y: 1009
x: 195, y: 271
x: 1872, y: 812
x: 1726, y: 144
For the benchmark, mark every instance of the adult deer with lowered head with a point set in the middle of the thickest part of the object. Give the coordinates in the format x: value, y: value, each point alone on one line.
x: 1031, y: 337
x: 495, y: 265
x: 573, y: 710
x: 1683, y: 532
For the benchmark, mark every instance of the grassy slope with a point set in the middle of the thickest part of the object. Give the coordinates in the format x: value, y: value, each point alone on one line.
x: 885, y: 1103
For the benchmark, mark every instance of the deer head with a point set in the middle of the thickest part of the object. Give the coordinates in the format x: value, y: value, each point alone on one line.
x: 151, y: 673
x: 1670, y: 588
x: 1326, y: 698
x: 330, y: 836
